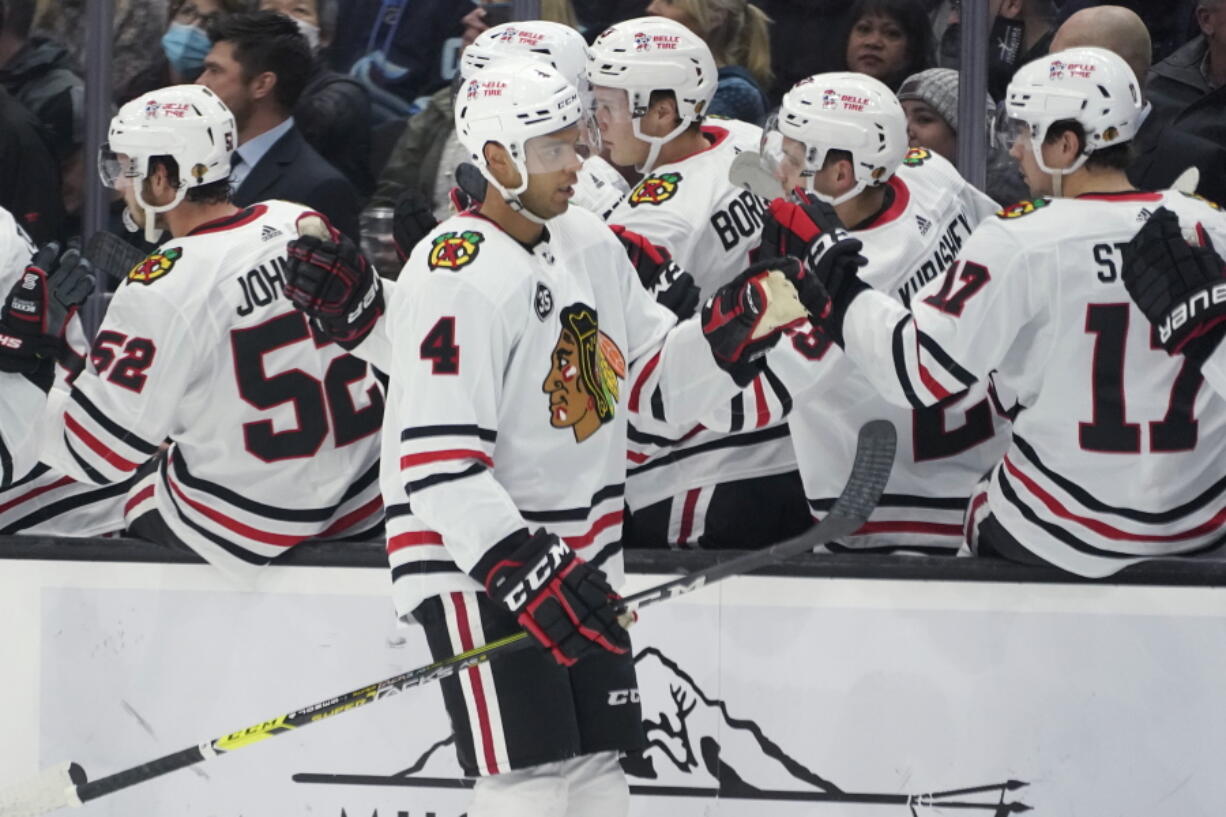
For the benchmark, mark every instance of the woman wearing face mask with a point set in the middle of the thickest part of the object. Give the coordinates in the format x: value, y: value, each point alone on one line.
x: 888, y: 39
x: 334, y: 112
x: 186, y: 41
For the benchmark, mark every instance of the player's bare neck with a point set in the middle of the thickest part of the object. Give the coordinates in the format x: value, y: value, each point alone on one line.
x: 523, y: 230
x: 188, y: 216
x: 1095, y: 181
x: 861, y: 208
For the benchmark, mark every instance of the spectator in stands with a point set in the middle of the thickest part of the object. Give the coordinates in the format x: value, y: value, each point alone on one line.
x: 1186, y: 88
x: 596, y: 15
x: 738, y: 35
x: 806, y: 38
x: 1161, y: 152
x: 334, y: 110
x: 887, y: 39
x: 930, y: 100
x: 29, y: 174
x: 1021, y: 32
x: 258, y: 65
x: 186, y: 41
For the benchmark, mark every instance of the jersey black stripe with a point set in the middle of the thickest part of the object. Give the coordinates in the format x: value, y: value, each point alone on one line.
x: 1070, y: 539
x: 900, y: 365
x: 780, y: 390
x: 731, y: 441
x: 105, y: 493
x: 737, y: 408
x: 269, y: 511
x: 35, y: 472
x: 606, y: 553
x: 6, y: 465
x: 237, y: 551
x: 487, y: 434
x: 636, y: 436
x: 1206, y: 497
x: 575, y: 514
x: 938, y: 503
x: 397, y: 510
x: 424, y: 566
x: 948, y: 363
x: 438, y: 479
x: 89, y: 470
x: 657, y: 404
x: 113, y: 428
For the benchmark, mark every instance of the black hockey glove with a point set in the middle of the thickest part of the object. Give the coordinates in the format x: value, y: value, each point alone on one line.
x: 745, y: 317
x: 38, y: 308
x: 1180, y: 287
x: 412, y: 220
x: 330, y: 280
x: 671, y: 286
x: 470, y: 188
x: 561, y: 600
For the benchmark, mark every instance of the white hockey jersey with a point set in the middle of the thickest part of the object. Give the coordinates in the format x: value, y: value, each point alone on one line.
x: 600, y: 187
x: 710, y: 226
x: 942, y: 452
x: 273, y: 430
x: 514, y: 373
x: 1118, y: 453
x: 21, y: 401
x: 1214, y: 370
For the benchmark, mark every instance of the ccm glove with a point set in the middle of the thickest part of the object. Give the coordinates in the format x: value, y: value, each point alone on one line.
x: 1181, y: 287
x: 561, y: 600
x: 671, y: 286
x: 39, y: 306
x: 745, y: 317
x: 330, y: 280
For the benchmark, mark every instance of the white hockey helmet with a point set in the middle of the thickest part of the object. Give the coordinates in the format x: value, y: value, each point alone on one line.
x: 559, y: 45
x: 511, y: 102
x: 649, y: 54
x: 837, y: 111
x: 1091, y: 86
x: 188, y: 123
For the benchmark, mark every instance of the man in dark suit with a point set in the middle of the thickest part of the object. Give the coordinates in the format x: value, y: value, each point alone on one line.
x: 259, y: 64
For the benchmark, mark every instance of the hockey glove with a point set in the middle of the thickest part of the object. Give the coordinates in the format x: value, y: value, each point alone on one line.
x: 38, y: 308
x: 671, y: 286
x: 412, y: 220
x: 745, y: 317
x: 1180, y: 287
x: 330, y: 280
x: 470, y: 188
x: 561, y: 600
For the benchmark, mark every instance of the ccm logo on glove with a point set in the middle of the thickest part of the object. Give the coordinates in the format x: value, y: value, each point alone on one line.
x: 537, y: 576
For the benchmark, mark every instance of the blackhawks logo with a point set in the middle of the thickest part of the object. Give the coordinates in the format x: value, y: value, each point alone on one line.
x: 155, y: 266
x: 1023, y: 208
x: 455, y: 250
x: 916, y: 157
x: 584, y: 370
x: 656, y: 189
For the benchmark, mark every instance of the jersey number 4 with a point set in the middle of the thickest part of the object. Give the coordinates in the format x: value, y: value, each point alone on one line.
x: 317, y: 404
x: 439, y: 347
x: 1109, y: 431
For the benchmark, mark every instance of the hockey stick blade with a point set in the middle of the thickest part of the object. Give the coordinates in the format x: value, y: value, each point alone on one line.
x: 746, y: 171
x: 66, y: 785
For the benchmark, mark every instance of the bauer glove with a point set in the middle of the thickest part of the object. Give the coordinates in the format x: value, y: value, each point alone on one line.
x: 330, y: 280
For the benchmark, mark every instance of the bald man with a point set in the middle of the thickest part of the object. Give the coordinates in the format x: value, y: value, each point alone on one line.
x: 1162, y: 153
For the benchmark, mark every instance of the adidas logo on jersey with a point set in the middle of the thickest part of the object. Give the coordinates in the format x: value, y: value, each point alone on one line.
x: 1144, y: 215
x: 924, y: 224
x: 269, y: 232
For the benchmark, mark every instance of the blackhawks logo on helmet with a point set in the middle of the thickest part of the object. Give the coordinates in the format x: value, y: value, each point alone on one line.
x: 455, y: 250
x: 916, y: 157
x: 655, y: 189
x: 155, y: 266
x: 1023, y: 208
x: 584, y: 369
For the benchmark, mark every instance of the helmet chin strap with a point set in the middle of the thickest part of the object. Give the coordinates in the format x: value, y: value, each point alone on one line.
x: 511, y: 197
x: 657, y: 143
x: 152, y: 232
x: 1057, y: 175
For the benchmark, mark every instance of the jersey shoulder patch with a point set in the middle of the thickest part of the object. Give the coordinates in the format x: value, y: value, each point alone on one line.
x: 1023, y: 208
x: 158, y: 265
x: 454, y: 250
x: 916, y: 157
x: 657, y: 188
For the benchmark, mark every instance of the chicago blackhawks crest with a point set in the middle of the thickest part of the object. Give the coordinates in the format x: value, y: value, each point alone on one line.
x: 656, y: 189
x: 455, y: 250
x: 584, y: 369
x: 916, y: 157
x: 155, y: 266
x: 1023, y: 208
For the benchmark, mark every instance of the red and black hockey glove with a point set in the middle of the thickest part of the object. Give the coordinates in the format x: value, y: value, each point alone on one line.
x: 412, y: 220
x: 330, y: 280
x: 671, y: 286
x: 471, y: 187
x: 561, y: 600
x: 38, y: 308
x: 1181, y: 287
x: 745, y: 317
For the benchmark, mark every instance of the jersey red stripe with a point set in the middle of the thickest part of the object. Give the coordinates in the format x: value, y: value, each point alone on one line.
x: 274, y: 539
x: 764, y: 412
x: 600, y: 525
x: 636, y: 392
x: 939, y: 391
x: 687, y: 514
x: 97, y: 446
x: 353, y: 517
x: 413, y: 460
x: 474, y: 677
x: 140, y: 497
x: 26, y: 497
x: 636, y: 457
x: 407, y: 540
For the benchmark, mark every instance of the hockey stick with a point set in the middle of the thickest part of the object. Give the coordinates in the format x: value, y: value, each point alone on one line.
x: 67, y: 785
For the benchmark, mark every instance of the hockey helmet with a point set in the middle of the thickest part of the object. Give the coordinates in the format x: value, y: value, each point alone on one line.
x: 836, y: 111
x: 1091, y: 86
x: 188, y: 123
x: 649, y: 54
x: 520, y: 104
x: 558, y: 45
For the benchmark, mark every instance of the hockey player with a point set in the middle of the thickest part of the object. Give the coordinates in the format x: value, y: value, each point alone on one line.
x: 842, y: 138
x: 653, y: 80
x: 1117, y: 454
x: 522, y: 344
x: 272, y: 431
